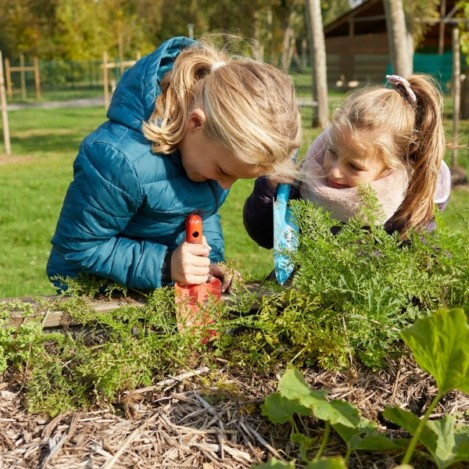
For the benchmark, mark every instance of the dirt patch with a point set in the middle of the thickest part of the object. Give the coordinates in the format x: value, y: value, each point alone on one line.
x: 181, y: 423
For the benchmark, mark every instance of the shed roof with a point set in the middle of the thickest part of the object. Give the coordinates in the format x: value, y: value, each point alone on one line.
x: 369, y: 18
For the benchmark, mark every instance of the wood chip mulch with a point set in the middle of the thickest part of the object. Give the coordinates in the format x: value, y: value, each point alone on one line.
x: 182, y: 423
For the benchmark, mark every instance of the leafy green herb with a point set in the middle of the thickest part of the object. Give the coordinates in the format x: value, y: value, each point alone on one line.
x: 440, y: 345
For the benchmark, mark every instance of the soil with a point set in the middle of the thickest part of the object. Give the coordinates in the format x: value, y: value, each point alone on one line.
x: 180, y: 422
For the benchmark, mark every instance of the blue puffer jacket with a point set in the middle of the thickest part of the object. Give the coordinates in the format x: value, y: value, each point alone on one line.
x: 124, y: 212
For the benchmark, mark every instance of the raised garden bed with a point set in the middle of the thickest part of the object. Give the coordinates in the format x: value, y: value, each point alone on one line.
x: 208, y: 417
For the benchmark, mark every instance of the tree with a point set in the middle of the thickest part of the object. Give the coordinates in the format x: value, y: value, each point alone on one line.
x: 332, y: 9
x: 319, y: 67
x: 415, y: 11
x: 20, y: 29
x: 464, y: 36
x: 399, y: 44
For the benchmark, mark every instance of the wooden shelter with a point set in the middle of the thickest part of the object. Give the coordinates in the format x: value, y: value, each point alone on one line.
x: 357, y: 42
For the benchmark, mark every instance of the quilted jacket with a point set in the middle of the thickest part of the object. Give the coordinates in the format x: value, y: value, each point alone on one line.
x: 124, y: 211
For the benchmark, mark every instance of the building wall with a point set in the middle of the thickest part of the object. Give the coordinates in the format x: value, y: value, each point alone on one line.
x: 356, y: 60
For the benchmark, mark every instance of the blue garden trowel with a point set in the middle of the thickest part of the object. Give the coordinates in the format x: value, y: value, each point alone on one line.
x: 285, y: 235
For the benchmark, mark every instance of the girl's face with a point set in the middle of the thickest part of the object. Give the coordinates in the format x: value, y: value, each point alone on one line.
x: 204, y: 160
x: 350, y: 160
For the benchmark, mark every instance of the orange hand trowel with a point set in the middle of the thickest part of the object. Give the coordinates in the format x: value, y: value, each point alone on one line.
x: 191, y: 300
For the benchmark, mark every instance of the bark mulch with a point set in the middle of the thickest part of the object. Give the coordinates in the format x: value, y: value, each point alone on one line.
x: 183, y: 423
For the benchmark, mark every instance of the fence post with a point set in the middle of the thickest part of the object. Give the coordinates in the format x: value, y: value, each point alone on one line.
x: 6, y: 128
x: 105, y: 81
x: 23, y: 78
x: 8, y: 77
x: 37, y: 78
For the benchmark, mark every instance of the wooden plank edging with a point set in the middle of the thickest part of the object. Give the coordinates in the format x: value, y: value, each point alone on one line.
x: 48, y: 311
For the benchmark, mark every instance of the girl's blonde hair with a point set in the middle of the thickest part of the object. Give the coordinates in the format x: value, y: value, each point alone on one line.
x: 405, y: 134
x: 250, y: 107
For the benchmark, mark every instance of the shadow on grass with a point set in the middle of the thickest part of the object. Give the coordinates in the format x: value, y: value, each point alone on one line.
x: 45, y: 143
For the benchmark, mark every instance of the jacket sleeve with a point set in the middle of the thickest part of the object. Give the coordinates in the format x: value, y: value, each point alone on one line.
x: 100, y: 202
x: 258, y: 213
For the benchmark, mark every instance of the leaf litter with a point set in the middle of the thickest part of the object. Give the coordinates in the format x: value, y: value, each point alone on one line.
x: 183, y: 422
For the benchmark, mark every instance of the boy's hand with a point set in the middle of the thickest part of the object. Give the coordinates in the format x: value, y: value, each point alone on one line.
x: 227, y: 276
x: 190, y: 264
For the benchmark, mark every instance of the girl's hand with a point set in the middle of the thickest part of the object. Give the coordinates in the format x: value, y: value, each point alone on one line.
x: 276, y: 180
x: 190, y: 264
x: 227, y: 276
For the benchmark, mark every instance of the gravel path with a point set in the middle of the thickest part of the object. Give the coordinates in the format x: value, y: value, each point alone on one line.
x: 88, y: 102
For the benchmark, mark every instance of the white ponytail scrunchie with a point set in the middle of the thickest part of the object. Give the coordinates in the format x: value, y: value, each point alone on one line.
x: 216, y: 66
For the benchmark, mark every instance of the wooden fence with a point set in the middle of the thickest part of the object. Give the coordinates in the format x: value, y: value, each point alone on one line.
x: 22, y: 69
x: 3, y: 103
x: 110, y: 85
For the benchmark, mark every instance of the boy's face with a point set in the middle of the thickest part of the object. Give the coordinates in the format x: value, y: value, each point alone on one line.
x: 350, y: 160
x: 204, y: 160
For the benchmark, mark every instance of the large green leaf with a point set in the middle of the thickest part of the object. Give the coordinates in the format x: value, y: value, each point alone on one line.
x: 366, y: 437
x: 447, y: 442
x: 293, y: 386
x: 279, y: 409
x: 452, y: 441
x: 440, y: 345
x: 409, y: 422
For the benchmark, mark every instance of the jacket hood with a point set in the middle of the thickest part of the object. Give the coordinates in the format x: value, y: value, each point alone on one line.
x: 134, y: 99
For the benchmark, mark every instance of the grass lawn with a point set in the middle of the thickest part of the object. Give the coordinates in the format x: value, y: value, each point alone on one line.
x: 33, y: 182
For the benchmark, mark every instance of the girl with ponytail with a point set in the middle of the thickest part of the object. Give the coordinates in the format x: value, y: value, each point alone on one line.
x: 390, y: 138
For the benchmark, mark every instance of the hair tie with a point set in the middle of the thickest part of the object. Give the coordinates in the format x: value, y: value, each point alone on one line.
x: 402, y: 86
x: 216, y: 66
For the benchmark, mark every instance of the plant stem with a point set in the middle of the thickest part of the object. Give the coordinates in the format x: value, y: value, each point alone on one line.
x: 325, y: 438
x: 416, y: 436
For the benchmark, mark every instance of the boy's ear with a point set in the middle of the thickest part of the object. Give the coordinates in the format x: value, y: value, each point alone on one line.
x: 195, y: 120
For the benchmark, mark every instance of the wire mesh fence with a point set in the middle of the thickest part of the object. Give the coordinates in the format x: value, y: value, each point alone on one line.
x: 60, y: 79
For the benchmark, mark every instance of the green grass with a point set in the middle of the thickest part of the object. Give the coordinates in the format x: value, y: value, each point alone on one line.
x: 34, y: 179
x: 65, y: 94
x: 33, y: 182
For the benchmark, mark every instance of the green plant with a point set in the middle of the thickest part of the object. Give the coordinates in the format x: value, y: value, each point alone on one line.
x: 105, y: 356
x: 369, y: 284
x: 17, y: 343
x: 353, y: 291
x: 440, y: 344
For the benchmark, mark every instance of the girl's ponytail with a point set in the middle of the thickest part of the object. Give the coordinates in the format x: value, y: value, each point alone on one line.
x: 425, y: 155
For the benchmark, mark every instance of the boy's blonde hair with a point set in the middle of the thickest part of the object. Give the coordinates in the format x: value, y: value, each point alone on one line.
x: 250, y: 107
x: 404, y: 134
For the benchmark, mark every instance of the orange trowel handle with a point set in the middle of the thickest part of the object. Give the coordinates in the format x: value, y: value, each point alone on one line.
x: 194, y: 232
x: 190, y: 299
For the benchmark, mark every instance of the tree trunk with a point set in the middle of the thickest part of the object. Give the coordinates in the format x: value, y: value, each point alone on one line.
x: 398, y: 38
x: 318, y: 62
x: 456, y: 92
x: 288, y: 42
x: 258, y: 48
